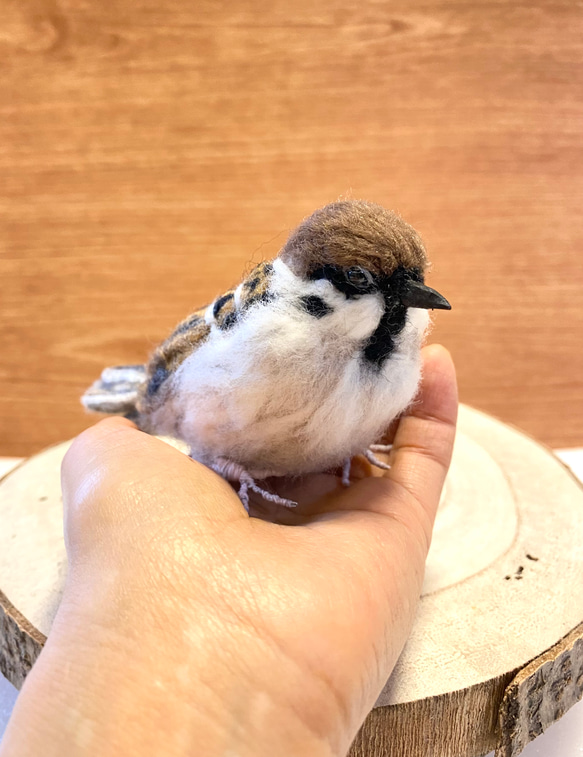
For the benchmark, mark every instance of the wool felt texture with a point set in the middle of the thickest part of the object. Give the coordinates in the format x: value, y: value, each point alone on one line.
x: 301, y: 366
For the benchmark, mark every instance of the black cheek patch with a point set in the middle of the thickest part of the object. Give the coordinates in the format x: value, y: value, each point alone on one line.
x: 315, y: 306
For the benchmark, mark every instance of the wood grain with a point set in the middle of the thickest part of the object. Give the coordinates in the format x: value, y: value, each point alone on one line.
x: 541, y: 693
x: 456, y: 724
x: 20, y: 643
x: 149, y: 151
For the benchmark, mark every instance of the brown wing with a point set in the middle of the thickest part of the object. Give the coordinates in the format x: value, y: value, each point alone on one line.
x: 168, y: 356
x: 194, y: 330
x: 254, y: 288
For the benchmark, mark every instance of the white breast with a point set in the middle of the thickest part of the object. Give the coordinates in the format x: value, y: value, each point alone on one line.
x: 289, y: 393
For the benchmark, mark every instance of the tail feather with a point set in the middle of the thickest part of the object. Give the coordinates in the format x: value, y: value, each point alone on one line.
x: 116, y: 391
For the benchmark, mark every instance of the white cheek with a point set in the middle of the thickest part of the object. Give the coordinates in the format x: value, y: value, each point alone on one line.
x: 411, y: 338
x: 355, y: 319
x: 352, y: 320
x: 419, y: 319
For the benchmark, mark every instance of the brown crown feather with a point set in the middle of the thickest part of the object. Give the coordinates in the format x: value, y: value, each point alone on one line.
x: 354, y: 233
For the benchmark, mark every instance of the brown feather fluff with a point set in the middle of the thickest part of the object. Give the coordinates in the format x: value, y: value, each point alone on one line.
x: 327, y: 237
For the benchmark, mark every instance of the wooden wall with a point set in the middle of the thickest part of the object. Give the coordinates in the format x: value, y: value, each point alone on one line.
x: 150, y: 149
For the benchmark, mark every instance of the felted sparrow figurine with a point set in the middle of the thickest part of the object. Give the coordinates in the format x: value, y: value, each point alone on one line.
x: 303, y: 365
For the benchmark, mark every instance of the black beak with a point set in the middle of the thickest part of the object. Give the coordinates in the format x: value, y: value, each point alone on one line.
x: 420, y: 296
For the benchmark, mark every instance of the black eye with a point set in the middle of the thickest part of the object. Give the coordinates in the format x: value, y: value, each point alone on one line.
x: 359, y: 278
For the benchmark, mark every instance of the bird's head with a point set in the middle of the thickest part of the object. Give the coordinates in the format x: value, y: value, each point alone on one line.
x: 362, y: 249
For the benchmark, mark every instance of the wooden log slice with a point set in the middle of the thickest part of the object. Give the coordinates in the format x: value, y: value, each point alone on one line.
x: 502, y: 599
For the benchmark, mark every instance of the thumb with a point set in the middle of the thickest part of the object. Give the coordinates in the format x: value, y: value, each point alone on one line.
x: 424, y: 440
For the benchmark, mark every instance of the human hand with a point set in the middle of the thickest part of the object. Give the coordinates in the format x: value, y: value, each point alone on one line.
x: 188, y: 627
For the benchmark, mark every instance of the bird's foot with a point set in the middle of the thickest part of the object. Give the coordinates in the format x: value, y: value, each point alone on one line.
x: 237, y: 474
x: 370, y: 455
x: 373, y: 459
x: 346, y: 472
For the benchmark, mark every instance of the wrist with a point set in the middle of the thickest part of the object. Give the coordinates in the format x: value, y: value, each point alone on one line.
x: 170, y: 675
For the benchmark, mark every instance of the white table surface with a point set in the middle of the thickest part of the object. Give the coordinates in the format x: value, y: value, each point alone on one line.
x: 563, y: 739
